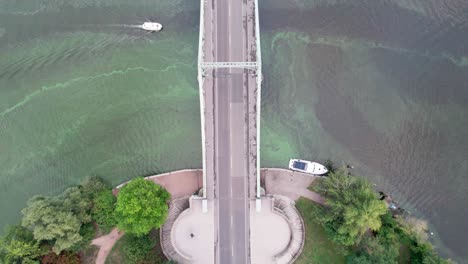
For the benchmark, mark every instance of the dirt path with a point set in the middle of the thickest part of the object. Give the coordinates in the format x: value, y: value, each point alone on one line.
x: 105, y: 244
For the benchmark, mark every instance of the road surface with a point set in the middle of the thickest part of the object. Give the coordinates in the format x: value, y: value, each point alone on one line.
x: 231, y: 138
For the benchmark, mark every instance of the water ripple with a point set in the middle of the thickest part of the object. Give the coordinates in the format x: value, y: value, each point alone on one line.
x: 78, y: 79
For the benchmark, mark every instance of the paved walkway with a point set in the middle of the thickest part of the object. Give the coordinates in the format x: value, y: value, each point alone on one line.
x: 270, y: 233
x: 180, y: 183
x: 290, y: 184
x: 177, y: 183
x: 193, y: 234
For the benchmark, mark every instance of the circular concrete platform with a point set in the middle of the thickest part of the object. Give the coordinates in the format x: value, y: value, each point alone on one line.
x: 270, y: 234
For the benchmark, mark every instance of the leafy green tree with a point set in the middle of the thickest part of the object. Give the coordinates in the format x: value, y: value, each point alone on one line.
x: 19, y: 246
x: 49, y: 221
x: 352, y: 207
x: 141, y: 206
x: 103, y: 211
x: 58, y: 219
x: 75, y: 201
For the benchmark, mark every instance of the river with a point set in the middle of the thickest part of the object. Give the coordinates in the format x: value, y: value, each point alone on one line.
x: 381, y: 85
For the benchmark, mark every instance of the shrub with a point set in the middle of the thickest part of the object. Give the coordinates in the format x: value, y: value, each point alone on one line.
x: 137, y: 248
x: 374, y: 250
x: 92, y: 186
x: 103, y: 211
x: 65, y: 257
x: 87, y: 232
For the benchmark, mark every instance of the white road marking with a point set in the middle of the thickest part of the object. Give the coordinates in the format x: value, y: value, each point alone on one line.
x: 243, y: 44
x: 229, y: 26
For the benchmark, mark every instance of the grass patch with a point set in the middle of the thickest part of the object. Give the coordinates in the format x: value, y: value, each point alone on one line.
x: 312, y: 185
x: 317, y: 248
x: 116, y: 256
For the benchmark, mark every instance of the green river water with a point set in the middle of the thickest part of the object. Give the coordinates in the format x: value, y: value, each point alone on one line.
x: 379, y: 85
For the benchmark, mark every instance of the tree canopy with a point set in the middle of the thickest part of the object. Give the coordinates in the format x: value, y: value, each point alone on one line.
x: 19, y: 246
x: 58, y: 219
x: 141, y: 206
x: 353, y: 216
x: 49, y: 221
x: 352, y: 207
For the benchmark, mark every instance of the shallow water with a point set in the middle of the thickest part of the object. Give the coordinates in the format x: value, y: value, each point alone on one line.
x: 381, y: 85
x: 83, y: 94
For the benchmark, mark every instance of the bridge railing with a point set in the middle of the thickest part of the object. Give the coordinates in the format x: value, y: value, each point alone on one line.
x: 201, y: 41
x: 230, y: 64
x: 259, y: 91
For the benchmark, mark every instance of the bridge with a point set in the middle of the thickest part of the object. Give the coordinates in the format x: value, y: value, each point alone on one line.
x: 229, y: 75
x: 225, y: 222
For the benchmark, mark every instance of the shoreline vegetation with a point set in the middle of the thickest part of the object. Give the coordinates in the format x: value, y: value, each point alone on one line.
x: 357, y: 226
x: 59, y: 229
x: 354, y: 226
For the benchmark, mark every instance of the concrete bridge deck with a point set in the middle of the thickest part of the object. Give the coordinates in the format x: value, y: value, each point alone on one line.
x: 230, y: 130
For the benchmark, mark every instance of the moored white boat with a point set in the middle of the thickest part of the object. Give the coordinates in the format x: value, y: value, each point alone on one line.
x: 151, y: 26
x: 307, y: 166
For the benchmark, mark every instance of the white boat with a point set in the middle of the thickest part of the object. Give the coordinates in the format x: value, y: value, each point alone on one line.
x: 151, y: 26
x: 307, y: 166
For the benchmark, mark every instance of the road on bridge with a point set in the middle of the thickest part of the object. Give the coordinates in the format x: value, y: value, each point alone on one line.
x: 230, y: 90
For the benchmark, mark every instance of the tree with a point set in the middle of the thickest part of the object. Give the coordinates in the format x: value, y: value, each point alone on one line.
x: 49, y: 221
x: 352, y: 207
x: 19, y: 246
x: 141, y: 206
x: 75, y: 201
x: 103, y: 211
x: 58, y: 219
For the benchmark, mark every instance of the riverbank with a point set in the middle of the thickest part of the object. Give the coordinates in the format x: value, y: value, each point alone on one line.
x: 315, y: 197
